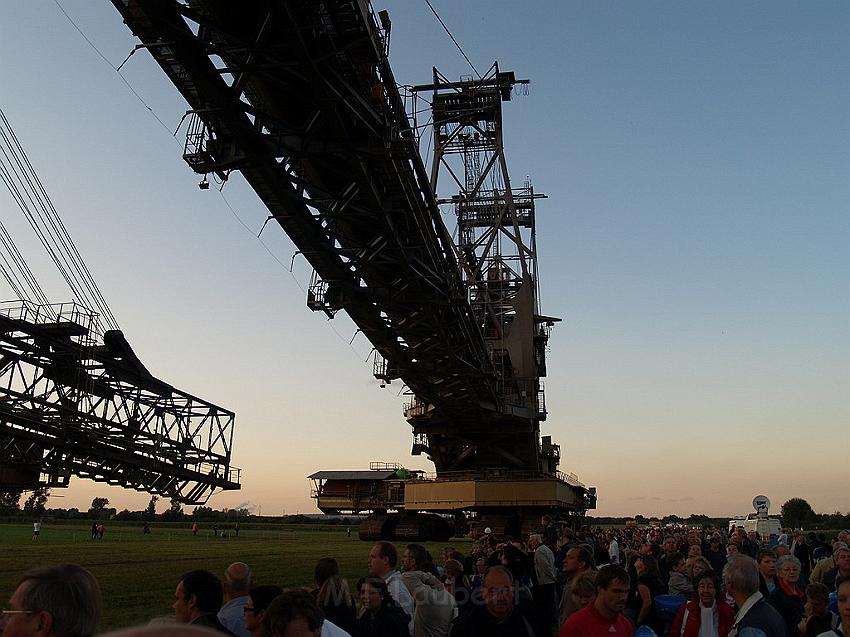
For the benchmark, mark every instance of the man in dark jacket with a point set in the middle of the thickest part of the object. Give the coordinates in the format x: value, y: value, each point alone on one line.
x: 498, y: 617
x: 715, y: 555
x: 197, y: 599
x: 755, y: 617
x: 842, y: 567
x: 803, y: 552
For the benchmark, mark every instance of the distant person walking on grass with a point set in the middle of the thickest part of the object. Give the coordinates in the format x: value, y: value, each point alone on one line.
x: 195, y: 528
x: 36, y: 529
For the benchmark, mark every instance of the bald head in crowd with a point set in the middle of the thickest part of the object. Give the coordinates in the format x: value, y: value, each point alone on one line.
x: 237, y: 580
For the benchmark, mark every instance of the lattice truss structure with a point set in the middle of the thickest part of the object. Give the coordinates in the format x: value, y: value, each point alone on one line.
x: 497, y: 236
x: 298, y: 96
x: 496, y: 241
x: 75, y: 401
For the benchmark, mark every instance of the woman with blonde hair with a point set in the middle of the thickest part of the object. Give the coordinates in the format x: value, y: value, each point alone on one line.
x: 697, y: 566
x: 332, y: 594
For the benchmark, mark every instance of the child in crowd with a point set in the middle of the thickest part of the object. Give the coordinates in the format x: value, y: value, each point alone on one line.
x: 679, y: 583
x: 584, y: 589
x: 817, y: 618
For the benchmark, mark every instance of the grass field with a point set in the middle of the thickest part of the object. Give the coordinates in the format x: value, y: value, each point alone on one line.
x: 138, y: 573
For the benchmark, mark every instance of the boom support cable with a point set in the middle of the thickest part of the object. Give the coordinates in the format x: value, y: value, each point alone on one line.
x: 29, y: 193
x: 256, y: 235
x: 25, y: 286
x: 459, y: 48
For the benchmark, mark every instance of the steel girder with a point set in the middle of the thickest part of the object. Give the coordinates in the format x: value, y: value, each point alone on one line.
x: 74, y: 406
x: 299, y: 96
x: 496, y: 250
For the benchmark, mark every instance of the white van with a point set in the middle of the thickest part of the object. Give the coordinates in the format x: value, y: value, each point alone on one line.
x: 767, y: 528
x: 736, y: 523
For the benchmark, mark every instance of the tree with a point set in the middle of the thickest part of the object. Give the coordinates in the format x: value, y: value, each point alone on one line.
x: 129, y: 516
x: 834, y: 520
x: 174, y: 513
x: 207, y: 514
x: 151, y: 508
x: 797, y: 513
x: 99, y: 504
x: 34, y: 506
x: 10, y: 502
x: 97, y: 507
x: 698, y: 518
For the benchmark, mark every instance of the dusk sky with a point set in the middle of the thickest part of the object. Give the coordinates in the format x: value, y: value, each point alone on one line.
x: 695, y: 241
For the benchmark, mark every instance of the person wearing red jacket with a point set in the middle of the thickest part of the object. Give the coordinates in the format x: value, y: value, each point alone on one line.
x: 703, y: 608
x: 603, y: 617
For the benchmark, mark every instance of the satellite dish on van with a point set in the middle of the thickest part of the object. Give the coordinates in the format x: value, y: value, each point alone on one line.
x: 761, y: 504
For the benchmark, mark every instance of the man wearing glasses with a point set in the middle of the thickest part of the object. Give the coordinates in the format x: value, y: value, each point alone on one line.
x: 56, y: 601
x: 499, y: 616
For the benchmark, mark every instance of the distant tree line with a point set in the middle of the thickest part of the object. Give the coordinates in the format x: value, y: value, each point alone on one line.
x: 34, y: 506
x: 795, y: 513
x: 695, y: 519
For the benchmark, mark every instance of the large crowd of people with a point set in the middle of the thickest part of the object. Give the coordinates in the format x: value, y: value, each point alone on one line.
x: 669, y: 582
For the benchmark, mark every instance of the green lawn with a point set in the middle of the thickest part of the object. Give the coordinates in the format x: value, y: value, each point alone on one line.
x: 138, y: 573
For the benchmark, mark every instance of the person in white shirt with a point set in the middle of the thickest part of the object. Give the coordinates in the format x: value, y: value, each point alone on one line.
x: 236, y: 585
x: 544, y: 590
x: 382, y: 563
x: 613, y: 549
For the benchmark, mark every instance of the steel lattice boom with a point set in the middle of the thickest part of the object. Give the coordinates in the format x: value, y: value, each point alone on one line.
x: 77, y: 402
x: 298, y: 96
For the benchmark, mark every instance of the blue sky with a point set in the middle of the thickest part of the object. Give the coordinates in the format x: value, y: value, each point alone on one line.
x: 695, y: 241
